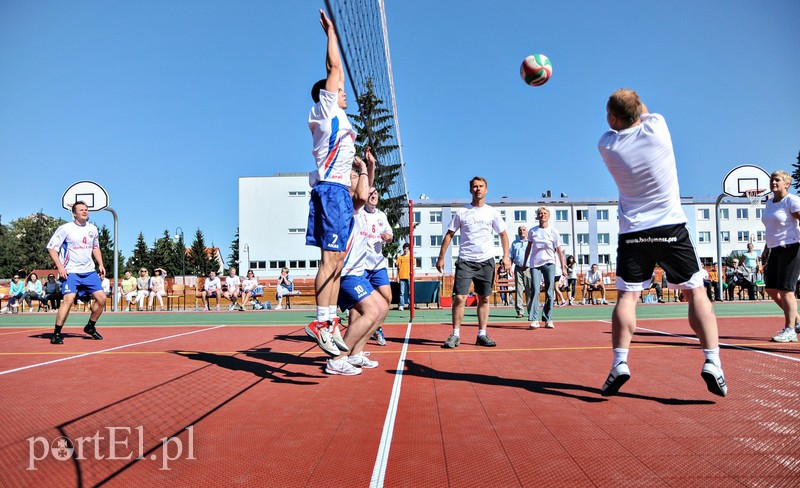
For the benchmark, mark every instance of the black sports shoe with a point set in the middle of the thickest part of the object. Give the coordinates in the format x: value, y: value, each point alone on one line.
x: 485, y: 341
x: 56, y: 339
x: 616, y: 378
x: 93, y: 332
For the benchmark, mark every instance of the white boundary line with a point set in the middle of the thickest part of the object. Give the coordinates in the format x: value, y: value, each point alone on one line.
x: 379, y: 471
x: 744, y: 348
x: 106, y: 350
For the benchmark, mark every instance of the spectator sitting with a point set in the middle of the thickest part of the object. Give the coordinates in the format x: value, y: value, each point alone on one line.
x: 212, y: 288
x: 129, y: 289
x: 33, y: 291
x: 249, y: 285
x: 712, y: 284
x: 15, y: 293
x: 657, y: 286
x: 594, y: 282
x: 234, y: 284
x: 142, y: 287
x: 157, y: 288
x: 285, y: 287
x: 51, y: 292
x: 738, y: 275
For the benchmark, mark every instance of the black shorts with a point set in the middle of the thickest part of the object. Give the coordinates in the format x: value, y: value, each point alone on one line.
x: 670, y: 246
x: 783, y: 268
x: 479, y: 274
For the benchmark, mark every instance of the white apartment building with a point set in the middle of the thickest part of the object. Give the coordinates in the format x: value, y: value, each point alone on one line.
x: 273, y: 213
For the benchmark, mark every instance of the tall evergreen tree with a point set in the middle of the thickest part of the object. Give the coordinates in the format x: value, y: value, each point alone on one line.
x: 180, y: 257
x: 796, y: 173
x: 140, y: 258
x: 373, y: 124
x: 24, y: 243
x: 233, y: 258
x: 164, y: 255
x: 200, y: 262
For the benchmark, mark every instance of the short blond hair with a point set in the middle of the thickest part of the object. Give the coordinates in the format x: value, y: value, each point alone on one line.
x: 786, y: 177
x: 542, y: 209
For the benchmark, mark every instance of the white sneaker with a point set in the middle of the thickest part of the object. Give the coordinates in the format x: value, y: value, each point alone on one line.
x: 400, y: 308
x: 362, y: 361
x: 337, y: 339
x: 341, y: 367
x: 534, y: 325
x: 714, y: 378
x: 786, y: 335
x: 549, y: 325
x: 279, y: 307
x: 616, y: 378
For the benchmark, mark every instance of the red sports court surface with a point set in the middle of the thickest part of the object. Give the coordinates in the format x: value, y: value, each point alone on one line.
x: 250, y: 406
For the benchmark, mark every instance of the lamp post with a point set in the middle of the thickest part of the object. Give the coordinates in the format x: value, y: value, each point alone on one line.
x: 247, y: 250
x: 179, y: 238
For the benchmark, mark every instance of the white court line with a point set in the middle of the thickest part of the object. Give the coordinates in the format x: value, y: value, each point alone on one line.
x: 744, y: 348
x: 379, y: 471
x: 106, y: 350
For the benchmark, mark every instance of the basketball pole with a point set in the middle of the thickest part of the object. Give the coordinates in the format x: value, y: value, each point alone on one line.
x: 720, y: 277
x: 115, y: 292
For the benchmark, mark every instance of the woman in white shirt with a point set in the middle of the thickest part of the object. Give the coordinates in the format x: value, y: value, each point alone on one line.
x: 544, y: 247
x: 782, y: 252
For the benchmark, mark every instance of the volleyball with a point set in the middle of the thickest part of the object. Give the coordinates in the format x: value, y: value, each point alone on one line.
x: 536, y: 69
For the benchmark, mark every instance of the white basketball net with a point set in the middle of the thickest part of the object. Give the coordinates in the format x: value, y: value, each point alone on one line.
x: 754, y: 196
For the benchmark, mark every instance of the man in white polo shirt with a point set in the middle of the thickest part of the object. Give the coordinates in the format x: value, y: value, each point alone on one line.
x: 477, y: 222
x: 638, y: 153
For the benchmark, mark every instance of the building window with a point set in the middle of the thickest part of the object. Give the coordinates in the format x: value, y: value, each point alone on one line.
x: 724, y: 214
x: 565, y: 239
x: 602, y: 215
x: 436, y: 241
x: 581, y: 215
x: 417, y: 263
x: 313, y: 263
x: 707, y: 261
x: 417, y: 217
x: 297, y: 193
x: 761, y: 235
x: 562, y: 215
x: 296, y: 230
x: 742, y: 214
x: 583, y: 239
x: 297, y: 264
x: 496, y: 241
x: 277, y: 264
x: 703, y: 214
x: 604, y: 258
x: 258, y: 265
x: 456, y: 240
x: 583, y: 259
x: 433, y: 261
x: 520, y: 215
x: 759, y: 213
x: 503, y: 215
x: 704, y: 236
x: 417, y: 241
x: 743, y: 236
x: 436, y: 216
x: 725, y: 236
x: 603, y: 238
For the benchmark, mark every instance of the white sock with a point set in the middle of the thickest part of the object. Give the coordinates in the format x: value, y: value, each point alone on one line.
x: 331, y: 312
x: 481, y: 333
x: 620, y: 356
x: 322, y: 314
x: 457, y: 332
x: 713, y: 356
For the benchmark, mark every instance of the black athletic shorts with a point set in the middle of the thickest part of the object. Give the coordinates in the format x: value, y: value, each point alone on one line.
x: 670, y: 246
x: 479, y: 274
x: 783, y: 268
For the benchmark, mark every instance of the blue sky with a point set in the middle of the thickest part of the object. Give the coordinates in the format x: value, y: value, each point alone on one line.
x: 166, y: 104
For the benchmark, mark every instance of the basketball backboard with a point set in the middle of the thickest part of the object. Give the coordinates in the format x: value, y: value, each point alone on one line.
x: 94, y: 195
x: 745, y: 179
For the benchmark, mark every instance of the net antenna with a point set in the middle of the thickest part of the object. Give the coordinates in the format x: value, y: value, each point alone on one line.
x: 364, y: 44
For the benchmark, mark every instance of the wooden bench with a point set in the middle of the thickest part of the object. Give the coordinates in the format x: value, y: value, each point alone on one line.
x: 307, y: 295
x: 504, y: 285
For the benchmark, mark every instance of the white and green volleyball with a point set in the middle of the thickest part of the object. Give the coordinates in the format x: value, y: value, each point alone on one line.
x: 536, y: 69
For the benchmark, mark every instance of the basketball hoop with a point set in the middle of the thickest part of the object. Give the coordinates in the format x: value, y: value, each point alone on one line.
x: 754, y: 196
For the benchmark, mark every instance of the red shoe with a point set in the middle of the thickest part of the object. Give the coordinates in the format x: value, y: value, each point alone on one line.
x: 319, y: 331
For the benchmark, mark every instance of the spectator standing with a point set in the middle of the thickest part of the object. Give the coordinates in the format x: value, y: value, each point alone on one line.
x: 572, y: 279
x: 522, y: 277
x: 544, y: 250
x: 212, y: 288
x: 502, y: 274
x: 403, y: 263
x: 782, y: 251
x: 477, y: 223
x: 33, y: 291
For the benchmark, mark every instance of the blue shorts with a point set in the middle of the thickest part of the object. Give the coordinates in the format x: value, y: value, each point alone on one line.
x: 353, y: 290
x: 83, y: 284
x: 330, y: 217
x: 378, y: 277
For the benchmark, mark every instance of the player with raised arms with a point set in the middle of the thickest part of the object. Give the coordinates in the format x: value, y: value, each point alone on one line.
x: 72, y: 248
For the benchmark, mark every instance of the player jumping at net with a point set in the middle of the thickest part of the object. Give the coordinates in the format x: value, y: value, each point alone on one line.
x: 330, y: 215
x: 378, y: 232
x: 72, y: 247
x: 638, y: 153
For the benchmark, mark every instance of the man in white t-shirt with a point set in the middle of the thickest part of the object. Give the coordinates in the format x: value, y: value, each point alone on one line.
x: 212, y: 288
x: 477, y: 222
x: 638, y: 153
x: 72, y: 248
x: 593, y: 281
x: 378, y: 232
x: 234, y: 284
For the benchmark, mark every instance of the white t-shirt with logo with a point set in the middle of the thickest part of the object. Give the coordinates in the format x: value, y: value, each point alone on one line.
x: 780, y: 225
x: 642, y: 163
x: 375, y: 225
x: 478, y: 225
x: 334, y: 141
x: 355, y: 259
x: 212, y: 285
x: 543, y: 250
x: 233, y: 282
x: 74, y: 244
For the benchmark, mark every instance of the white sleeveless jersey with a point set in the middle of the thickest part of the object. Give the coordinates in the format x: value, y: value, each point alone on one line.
x: 74, y: 244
